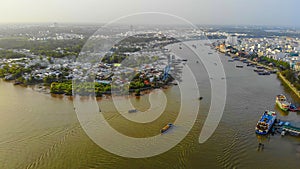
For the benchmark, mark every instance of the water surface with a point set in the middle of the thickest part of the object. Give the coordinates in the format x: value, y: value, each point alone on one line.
x: 41, y: 131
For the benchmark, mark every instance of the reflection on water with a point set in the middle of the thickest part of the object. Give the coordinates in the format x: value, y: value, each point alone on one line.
x: 262, y: 140
x: 282, y: 113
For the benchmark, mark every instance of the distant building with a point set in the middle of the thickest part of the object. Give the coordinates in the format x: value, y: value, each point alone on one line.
x: 232, y: 40
x: 281, y: 55
x: 297, y: 66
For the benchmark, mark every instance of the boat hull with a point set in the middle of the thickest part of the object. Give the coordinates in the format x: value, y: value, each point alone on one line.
x: 282, y: 106
x: 282, y: 103
x: 266, y: 122
x: 166, y: 128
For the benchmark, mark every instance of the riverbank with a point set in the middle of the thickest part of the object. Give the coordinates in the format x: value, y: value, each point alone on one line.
x: 288, y: 84
x: 251, y: 61
x: 53, y: 128
x: 259, y: 64
x: 46, y: 89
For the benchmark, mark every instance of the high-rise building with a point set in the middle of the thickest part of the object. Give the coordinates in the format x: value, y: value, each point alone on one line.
x: 232, y: 40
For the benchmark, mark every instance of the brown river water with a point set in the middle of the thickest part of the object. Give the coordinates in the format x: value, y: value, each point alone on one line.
x: 38, y: 130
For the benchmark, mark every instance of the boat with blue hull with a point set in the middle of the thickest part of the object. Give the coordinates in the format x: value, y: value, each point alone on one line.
x: 266, y: 122
x: 293, y: 108
x: 132, y: 111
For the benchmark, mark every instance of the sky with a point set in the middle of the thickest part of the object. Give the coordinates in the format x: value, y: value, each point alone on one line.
x: 216, y: 12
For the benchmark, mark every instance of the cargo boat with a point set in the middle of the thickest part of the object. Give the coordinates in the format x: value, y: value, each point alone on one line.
x: 266, y: 122
x: 166, y: 128
x: 292, y: 130
x: 282, y: 103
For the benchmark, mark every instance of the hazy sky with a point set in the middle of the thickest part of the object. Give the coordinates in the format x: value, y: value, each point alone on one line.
x: 258, y: 12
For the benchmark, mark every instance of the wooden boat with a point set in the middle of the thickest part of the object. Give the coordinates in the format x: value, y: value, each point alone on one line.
x: 166, y: 128
x: 264, y: 73
x: 282, y: 102
x: 132, y: 111
x: 258, y: 70
x: 260, y: 67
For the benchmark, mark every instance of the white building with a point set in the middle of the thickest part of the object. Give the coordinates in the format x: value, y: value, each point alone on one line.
x: 232, y: 40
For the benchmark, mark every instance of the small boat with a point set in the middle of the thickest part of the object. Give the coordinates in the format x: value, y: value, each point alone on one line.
x: 17, y: 83
x: 260, y: 67
x: 267, y: 73
x: 293, y: 108
x: 264, y: 73
x: 292, y: 130
x: 258, y: 70
x: 282, y: 102
x: 274, y: 71
x: 132, y: 111
x: 239, y: 66
x: 281, y: 123
x: 166, y: 128
x: 266, y: 122
x: 250, y: 64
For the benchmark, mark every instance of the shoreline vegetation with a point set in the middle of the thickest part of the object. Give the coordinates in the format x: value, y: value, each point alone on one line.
x: 60, y: 85
x: 69, y: 87
x: 98, y: 90
x: 59, y: 79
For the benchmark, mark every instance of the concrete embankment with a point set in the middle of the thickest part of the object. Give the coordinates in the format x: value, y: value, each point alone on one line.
x: 280, y: 76
x: 289, y: 84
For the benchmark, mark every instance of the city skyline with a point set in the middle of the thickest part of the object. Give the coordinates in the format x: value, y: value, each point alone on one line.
x: 214, y: 12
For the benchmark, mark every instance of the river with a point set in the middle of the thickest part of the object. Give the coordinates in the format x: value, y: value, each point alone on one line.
x: 38, y: 130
